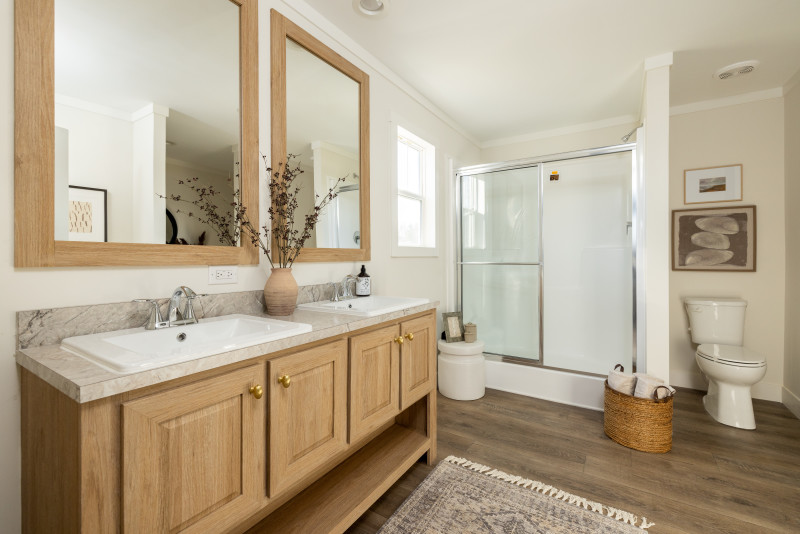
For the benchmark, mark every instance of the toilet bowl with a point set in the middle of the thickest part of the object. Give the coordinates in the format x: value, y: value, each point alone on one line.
x: 717, y: 325
x: 731, y: 372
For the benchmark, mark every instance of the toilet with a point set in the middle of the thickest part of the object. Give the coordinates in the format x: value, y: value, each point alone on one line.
x: 717, y: 325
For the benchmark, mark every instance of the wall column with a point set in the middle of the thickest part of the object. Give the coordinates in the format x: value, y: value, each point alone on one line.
x: 655, y: 113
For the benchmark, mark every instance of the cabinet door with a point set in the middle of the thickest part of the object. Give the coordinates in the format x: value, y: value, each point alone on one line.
x: 374, y: 380
x: 308, y: 412
x: 193, y: 457
x: 417, y: 364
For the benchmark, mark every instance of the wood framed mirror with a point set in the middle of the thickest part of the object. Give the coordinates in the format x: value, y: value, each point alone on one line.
x: 39, y: 239
x: 320, y: 115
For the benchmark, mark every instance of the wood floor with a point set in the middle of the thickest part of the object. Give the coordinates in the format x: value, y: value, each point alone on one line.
x: 715, y: 479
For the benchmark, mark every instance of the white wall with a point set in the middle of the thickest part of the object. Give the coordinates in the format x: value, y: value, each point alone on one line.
x: 24, y: 289
x: 791, y: 376
x: 750, y: 134
x: 101, y: 156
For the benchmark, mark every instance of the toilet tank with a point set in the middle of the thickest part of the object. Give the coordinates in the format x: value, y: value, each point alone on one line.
x: 716, y: 320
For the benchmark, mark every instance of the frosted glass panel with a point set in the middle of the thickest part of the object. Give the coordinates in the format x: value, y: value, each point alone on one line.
x: 588, y: 274
x: 503, y: 300
x: 500, y: 216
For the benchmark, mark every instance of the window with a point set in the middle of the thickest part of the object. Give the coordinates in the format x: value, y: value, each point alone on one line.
x: 414, y: 201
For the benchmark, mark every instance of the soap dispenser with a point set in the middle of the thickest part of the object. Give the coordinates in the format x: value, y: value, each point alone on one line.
x: 363, y: 288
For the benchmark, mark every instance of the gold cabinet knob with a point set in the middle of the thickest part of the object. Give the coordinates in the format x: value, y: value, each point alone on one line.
x: 398, y: 340
x: 257, y: 391
x: 410, y: 336
x: 285, y: 380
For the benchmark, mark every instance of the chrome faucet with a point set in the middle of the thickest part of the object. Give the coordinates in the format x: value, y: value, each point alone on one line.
x: 155, y: 321
x: 346, y: 292
x: 174, y: 315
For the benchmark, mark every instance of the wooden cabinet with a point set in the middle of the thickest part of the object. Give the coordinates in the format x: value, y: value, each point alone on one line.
x: 213, y: 453
x: 418, y: 359
x: 374, y: 380
x: 390, y: 369
x: 193, y: 457
x: 308, y: 412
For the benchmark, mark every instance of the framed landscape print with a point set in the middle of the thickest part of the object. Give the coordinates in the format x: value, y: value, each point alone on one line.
x: 712, y: 184
x: 714, y: 239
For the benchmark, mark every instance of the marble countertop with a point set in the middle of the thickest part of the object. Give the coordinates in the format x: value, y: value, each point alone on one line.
x: 84, y: 381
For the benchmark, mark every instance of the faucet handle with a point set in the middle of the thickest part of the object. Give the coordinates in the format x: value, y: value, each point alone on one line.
x: 188, y: 310
x: 155, y: 320
x: 335, y: 297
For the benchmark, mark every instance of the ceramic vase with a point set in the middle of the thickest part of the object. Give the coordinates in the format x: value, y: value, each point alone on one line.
x: 280, y: 292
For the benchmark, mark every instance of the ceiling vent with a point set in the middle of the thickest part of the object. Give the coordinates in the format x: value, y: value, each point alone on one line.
x: 737, y: 69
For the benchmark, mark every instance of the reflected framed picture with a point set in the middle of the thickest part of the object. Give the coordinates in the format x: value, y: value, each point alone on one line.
x: 88, y: 216
x: 453, y: 327
x: 714, y: 239
x: 712, y: 184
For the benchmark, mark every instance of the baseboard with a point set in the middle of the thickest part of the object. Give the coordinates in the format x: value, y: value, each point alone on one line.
x: 688, y: 379
x: 791, y: 401
x: 546, y: 384
x: 769, y: 391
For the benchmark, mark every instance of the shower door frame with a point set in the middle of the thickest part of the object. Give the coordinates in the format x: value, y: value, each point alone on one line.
x: 539, y: 162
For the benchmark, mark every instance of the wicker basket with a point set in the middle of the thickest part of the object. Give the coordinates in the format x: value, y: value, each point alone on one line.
x: 641, y: 424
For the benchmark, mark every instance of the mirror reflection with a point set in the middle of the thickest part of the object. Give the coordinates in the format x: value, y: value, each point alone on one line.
x: 147, y: 96
x: 322, y: 129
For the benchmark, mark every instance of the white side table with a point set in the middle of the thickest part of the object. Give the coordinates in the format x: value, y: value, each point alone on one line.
x: 462, y: 370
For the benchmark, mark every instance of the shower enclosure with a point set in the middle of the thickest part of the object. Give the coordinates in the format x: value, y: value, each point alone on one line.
x: 546, y: 258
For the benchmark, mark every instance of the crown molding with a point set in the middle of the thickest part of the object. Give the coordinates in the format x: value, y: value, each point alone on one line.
x: 706, y: 105
x: 566, y: 130
x: 656, y: 62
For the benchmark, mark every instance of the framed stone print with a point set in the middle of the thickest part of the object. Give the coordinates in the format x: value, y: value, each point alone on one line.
x: 714, y: 239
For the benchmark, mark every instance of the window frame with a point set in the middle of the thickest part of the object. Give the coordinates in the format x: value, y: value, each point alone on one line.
x: 428, y: 193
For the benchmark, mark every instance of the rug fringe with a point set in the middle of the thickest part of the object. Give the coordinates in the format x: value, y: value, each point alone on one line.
x: 545, y: 489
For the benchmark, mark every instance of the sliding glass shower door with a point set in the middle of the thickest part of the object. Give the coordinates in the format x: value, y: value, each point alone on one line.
x: 588, y: 279
x: 500, y: 267
x: 546, y: 260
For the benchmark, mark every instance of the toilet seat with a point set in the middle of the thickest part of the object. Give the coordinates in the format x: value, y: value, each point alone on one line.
x: 730, y: 355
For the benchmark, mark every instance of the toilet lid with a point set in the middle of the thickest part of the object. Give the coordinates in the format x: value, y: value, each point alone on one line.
x: 730, y: 354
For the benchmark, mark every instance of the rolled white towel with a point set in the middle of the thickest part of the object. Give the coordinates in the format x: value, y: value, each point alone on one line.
x: 619, y: 380
x: 666, y: 391
x: 646, y: 385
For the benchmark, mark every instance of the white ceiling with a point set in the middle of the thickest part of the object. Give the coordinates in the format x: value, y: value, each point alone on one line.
x: 508, y: 68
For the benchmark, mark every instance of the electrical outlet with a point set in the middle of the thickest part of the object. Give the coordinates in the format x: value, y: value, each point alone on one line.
x: 223, y: 274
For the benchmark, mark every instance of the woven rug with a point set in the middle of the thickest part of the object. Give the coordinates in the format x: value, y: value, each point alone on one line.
x: 459, y: 496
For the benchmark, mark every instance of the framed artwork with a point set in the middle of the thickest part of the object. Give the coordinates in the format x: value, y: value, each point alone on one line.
x: 88, y: 217
x: 714, y: 239
x: 453, y: 327
x: 712, y: 184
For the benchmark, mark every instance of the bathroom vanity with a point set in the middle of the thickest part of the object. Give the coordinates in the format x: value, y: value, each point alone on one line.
x: 297, y: 435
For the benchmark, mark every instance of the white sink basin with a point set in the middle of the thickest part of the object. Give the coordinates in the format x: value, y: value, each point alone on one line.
x: 365, y: 306
x: 137, y: 349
